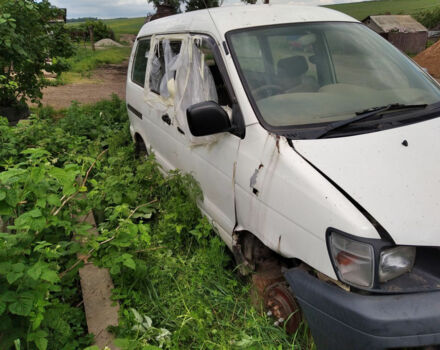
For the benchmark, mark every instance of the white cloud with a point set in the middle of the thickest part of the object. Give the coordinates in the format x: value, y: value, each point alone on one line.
x: 105, y: 8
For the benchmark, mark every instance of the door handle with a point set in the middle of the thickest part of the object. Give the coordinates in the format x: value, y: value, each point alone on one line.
x: 166, y: 118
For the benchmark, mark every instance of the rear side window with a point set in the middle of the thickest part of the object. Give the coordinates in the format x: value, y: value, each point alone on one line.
x: 162, y: 70
x: 140, y: 62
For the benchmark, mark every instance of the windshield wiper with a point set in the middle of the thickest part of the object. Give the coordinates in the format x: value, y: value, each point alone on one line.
x: 362, y: 115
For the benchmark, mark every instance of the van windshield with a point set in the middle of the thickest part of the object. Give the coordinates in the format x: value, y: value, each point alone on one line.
x: 317, y: 73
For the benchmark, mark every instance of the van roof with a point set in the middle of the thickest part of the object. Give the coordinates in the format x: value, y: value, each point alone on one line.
x: 219, y: 20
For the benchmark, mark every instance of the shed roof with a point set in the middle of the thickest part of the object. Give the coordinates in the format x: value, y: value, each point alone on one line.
x: 396, y: 23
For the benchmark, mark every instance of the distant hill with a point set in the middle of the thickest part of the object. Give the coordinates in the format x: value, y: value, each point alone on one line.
x: 118, y: 25
x: 126, y: 25
x: 360, y: 10
x: 81, y: 19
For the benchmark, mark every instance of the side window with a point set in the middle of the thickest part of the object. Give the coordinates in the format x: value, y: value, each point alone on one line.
x: 162, y: 69
x: 220, y: 86
x: 140, y: 62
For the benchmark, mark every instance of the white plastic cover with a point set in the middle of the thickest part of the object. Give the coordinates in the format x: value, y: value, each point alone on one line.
x: 156, y: 71
x: 194, y: 84
x: 171, y: 64
x: 182, y: 81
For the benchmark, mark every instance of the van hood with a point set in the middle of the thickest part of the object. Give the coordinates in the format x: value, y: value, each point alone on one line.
x: 393, y: 174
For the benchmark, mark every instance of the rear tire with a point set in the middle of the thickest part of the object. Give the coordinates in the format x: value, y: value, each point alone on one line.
x: 140, y: 149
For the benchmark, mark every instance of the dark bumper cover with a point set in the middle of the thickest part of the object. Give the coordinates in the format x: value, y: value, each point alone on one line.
x: 341, y: 320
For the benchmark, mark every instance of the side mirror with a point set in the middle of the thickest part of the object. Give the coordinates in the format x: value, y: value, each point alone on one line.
x: 207, y: 118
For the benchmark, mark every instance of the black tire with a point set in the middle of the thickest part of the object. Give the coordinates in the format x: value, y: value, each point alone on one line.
x: 140, y: 149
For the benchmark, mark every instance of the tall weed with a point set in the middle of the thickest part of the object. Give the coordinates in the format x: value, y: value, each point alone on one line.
x: 173, y: 276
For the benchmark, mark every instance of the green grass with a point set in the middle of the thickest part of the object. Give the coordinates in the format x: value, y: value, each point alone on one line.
x: 86, y: 60
x: 361, y: 10
x: 125, y: 26
x: 121, y: 26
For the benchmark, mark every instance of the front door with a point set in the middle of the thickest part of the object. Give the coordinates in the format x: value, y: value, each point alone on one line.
x: 210, y: 159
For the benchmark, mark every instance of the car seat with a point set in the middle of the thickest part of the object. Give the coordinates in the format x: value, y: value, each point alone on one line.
x: 291, y: 75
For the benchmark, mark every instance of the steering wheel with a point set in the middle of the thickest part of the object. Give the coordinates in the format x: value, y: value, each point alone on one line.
x: 265, y: 91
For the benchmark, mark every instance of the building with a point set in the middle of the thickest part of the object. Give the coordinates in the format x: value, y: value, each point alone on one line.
x: 402, y: 31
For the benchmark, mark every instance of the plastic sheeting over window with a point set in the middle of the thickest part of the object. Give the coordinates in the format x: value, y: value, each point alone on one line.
x: 171, y: 60
x: 194, y: 84
x: 156, y: 73
x: 179, y: 74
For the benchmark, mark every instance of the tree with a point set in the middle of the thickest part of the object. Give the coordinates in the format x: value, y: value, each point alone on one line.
x: 174, y: 4
x: 192, y: 5
x: 29, y: 44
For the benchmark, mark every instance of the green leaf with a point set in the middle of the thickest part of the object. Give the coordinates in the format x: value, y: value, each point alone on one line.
x: 35, y: 271
x: 122, y: 343
x: 129, y: 262
x: 2, y: 195
x: 7, y: 176
x: 50, y: 276
x: 8, y: 296
x: 23, y: 304
x: 5, y: 267
x: 35, y: 213
x: 132, y: 228
x: 53, y: 200
x: 13, y: 276
x: 39, y: 338
x: 115, y: 269
x: 41, y: 343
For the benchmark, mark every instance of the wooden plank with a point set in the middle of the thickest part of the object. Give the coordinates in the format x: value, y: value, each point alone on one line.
x: 101, y: 311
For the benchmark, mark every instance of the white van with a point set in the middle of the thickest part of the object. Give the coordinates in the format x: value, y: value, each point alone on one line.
x: 314, y: 137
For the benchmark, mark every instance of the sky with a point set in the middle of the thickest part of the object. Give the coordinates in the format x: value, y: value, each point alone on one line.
x: 135, y: 8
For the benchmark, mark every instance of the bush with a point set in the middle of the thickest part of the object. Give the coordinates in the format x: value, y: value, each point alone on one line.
x: 429, y: 18
x: 29, y: 44
x: 100, y: 31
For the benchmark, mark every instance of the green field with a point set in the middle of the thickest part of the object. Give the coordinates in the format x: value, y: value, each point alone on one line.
x: 361, y: 10
x: 126, y: 25
x: 121, y: 25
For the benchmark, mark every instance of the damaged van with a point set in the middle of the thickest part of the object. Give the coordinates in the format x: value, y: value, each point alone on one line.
x: 316, y: 142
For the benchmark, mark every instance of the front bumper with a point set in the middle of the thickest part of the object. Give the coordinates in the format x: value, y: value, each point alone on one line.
x: 341, y: 320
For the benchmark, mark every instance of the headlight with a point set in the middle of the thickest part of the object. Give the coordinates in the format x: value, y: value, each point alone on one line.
x: 395, y: 262
x: 354, y: 261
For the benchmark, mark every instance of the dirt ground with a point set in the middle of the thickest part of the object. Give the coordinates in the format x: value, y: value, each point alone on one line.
x: 104, y: 82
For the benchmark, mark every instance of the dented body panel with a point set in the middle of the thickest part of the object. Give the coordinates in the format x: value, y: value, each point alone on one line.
x: 287, y: 204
